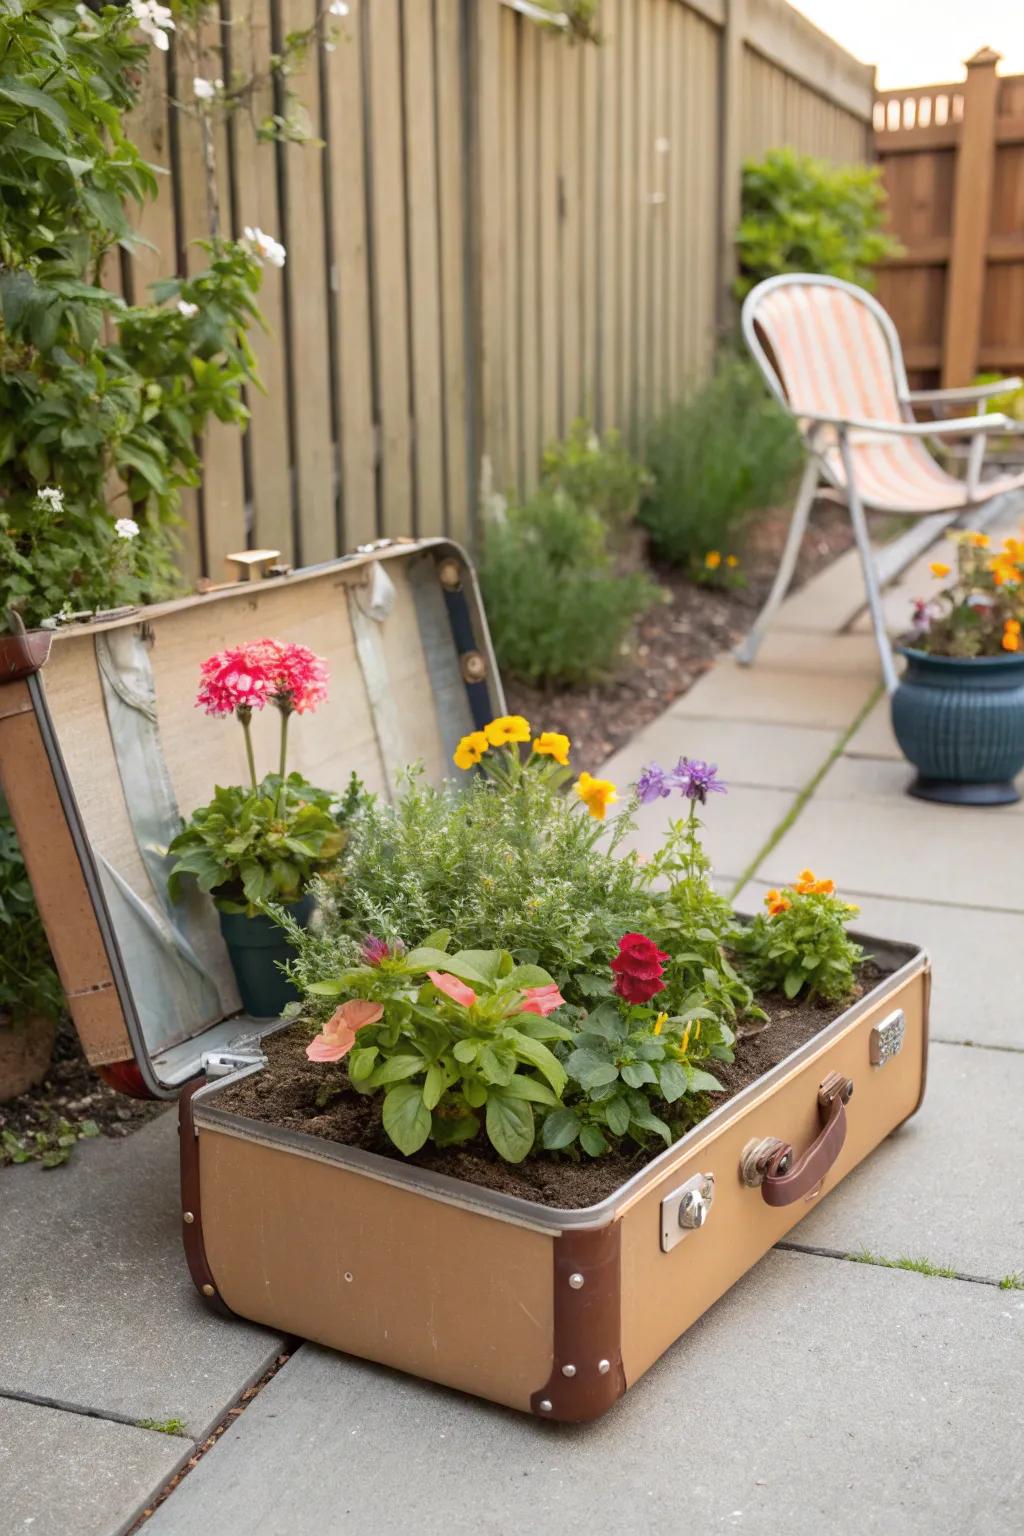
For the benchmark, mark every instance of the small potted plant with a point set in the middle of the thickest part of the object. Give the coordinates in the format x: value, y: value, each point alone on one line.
x: 958, y: 712
x: 257, y: 846
x: 30, y: 994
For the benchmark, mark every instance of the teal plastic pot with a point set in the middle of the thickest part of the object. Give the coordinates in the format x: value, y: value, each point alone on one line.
x: 258, y: 947
x: 960, y: 722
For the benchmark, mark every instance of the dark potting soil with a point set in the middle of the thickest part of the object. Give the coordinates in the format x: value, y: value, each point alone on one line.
x: 285, y: 1094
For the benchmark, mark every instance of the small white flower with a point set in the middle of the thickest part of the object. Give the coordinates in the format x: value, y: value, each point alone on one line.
x: 264, y: 246
x: 338, y: 8
x: 188, y: 310
x: 203, y: 90
x: 52, y: 497
x: 126, y: 528
x: 155, y: 20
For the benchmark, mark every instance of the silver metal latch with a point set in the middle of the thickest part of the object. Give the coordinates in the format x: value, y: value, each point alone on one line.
x: 686, y: 1209
x: 887, y: 1038
x: 222, y: 1063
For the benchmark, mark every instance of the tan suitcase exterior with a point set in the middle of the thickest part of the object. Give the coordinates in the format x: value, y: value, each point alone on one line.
x: 551, y: 1312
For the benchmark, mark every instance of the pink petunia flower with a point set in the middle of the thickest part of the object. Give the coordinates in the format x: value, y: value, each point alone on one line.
x: 452, y: 987
x: 541, y: 1000
x: 339, y: 1033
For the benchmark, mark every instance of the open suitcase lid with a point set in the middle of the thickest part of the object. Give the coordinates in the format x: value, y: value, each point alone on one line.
x: 102, y: 751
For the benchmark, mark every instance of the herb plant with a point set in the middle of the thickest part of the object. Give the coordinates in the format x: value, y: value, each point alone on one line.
x: 558, y: 611
x: 800, y: 944
x: 723, y: 451
x: 981, y: 611
x: 598, y: 475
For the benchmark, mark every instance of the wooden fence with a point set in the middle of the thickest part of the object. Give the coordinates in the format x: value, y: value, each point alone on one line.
x: 501, y: 231
x: 952, y: 158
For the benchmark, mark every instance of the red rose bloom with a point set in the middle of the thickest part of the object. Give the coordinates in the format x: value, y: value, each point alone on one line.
x: 639, y: 967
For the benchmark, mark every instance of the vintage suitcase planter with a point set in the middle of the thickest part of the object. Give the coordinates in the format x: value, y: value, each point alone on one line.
x: 547, y: 1310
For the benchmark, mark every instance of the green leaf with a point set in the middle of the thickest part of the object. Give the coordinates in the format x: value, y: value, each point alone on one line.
x: 702, y: 1082
x: 560, y: 1129
x: 530, y: 1088
x: 510, y: 1126
x: 496, y: 1065
x: 438, y: 940
x: 361, y: 1062
x: 407, y: 1119
x: 646, y: 1121
x: 672, y: 1080
x: 591, y: 1070
x: 540, y: 1057
x: 465, y: 1050
x: 793, y: 982
x: 324, y: 988
x: 593, y: 1142
x: 395, y: 1068
x: 436, y: 960
x: 523, y: 976
x: 637, y: 1073
x: 434, y: 1085
x: 29, y: 96
x: 617, y: 1116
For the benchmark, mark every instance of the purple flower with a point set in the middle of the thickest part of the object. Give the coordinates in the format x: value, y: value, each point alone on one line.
x: 697, y: 779
x: 921, y: 617
x: 653, y: 784
x: 375, y: 951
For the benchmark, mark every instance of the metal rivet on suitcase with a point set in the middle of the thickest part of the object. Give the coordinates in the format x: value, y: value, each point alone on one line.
x: 568, y: 1370
x: 208, y: 1290
x: 576, y: 1281
x: 187, y: 1218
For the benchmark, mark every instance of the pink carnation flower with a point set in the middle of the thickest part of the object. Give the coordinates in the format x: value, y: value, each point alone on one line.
x: 247, y: 676
x: 542, y: 1000
x: 339, y: 1033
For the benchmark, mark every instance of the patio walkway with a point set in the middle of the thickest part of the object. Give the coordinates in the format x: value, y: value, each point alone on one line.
x: 819, y: 1394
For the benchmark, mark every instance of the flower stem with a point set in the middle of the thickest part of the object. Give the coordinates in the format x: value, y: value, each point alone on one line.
x: 285, y: 714
x: 244, y: 716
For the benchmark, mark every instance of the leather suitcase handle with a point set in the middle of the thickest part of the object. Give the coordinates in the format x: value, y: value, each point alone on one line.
x: 786, y: 1181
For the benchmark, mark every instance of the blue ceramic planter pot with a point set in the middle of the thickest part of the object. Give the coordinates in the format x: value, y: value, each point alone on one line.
x: 961, y: 723
x: 257, y: 947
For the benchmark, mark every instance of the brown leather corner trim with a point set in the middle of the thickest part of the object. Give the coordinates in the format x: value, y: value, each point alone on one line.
x: 191, y: 1203
x: 21, y: 655
x: 587, y: 1375
x: 807, y: 1173
x: 925, y: 1038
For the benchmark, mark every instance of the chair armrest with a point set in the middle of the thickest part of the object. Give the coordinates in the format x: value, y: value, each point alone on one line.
x: 964, y: 392
x: 957, y: 426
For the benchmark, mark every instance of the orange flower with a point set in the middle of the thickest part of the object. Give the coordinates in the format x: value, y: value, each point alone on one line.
x: 1004, y: 570
x: 805, y: 882
x: 1011, y: 635
x: 773, y: 895
x: 979, y: 540
x: 782, y: 905
x: 712, y: 560
x: 824, y: 888
x: 940, y: 568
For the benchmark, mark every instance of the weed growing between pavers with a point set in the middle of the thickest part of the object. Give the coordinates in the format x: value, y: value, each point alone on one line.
x: 1014, y: 1282
x: 916, y: 1266
x: 164, y: 1426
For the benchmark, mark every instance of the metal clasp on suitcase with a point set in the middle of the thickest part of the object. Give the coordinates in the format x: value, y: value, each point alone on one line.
x: 686, y: 1209
x: 222, y: 1063
x: 887, y: 1038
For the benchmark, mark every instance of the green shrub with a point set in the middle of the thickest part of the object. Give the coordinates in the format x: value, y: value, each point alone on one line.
x: 28, y: 982
x: 558, y: 611
x: 717, y: 455
x: 600, y: 475
x: 804, y: 215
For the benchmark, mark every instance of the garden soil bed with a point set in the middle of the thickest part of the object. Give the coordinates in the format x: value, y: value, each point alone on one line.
x: 285, y: 1093
x: 679, y: 639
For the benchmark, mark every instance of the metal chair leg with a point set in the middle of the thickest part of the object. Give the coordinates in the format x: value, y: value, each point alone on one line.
x: 867, y: 560
x: 750, y: 645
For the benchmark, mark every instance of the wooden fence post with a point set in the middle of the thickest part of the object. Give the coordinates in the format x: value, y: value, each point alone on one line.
x: 972, y: 205
x: 730, y: 151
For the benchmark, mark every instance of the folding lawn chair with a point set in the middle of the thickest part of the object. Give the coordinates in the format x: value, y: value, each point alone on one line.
x: 831, y: 355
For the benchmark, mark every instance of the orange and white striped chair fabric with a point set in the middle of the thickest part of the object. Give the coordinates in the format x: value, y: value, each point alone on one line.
x: 831, y: 355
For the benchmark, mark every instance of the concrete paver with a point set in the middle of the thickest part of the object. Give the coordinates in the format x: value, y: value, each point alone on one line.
x: 766, y: 756
x: 63, y: 1473
x: 817, y: 1395
x: 98, y: 1308
x: 732, y: 692
x: 735, y: 830
x: 882, y: 778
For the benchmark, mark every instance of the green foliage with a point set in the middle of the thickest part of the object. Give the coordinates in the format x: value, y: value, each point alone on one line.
x: 457, y: 1055
x: 800, y: 945
x: 697, y: 927
x: 251, y: 847
x: 805, y: 215
x: 49, y: 1147
x: 101, y: 403
x: 720, y: 453
x: 915, y: 1266
x: 28, y: 981
x: 600, y: 476
x: 519, y: 871
x: 558, y: 611
x: 164, y: 1426
x: 633, y: 1077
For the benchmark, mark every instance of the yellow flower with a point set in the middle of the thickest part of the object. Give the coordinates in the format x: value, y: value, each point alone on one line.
x: 1004, y: 570
x: 506, y: 729
x: 684, y: 1042
x: 470, y: 750
x: 660, y: 1022
x: 597, y: 794
x: 696, y: 1030
x: 939, y: 568
x: 1014, y: 548
x: 553, y: 744
x: 712, y: 559
x: 732, y: 561
x: 979, y: 540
